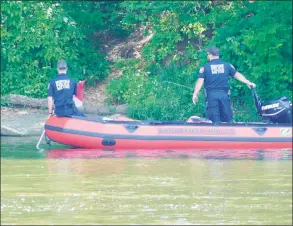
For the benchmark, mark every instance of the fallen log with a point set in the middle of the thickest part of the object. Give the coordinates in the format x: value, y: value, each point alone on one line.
x: 88, y: 108
x: 8, y: 131
x: 24, y: 101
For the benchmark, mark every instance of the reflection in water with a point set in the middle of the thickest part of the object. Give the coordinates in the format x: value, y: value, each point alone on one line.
x: 256, y: 154
x: 74, y: 186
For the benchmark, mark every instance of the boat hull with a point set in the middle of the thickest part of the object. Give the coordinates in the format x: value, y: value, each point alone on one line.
x: 94, y: 133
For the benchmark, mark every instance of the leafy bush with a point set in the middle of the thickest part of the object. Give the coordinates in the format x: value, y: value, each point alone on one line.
x: 34, y: 35
x: 260, y: 50
x: 255, y: 36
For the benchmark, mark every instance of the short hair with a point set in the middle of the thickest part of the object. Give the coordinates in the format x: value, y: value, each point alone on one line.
x: 213, y: 51
x: 61, y: 64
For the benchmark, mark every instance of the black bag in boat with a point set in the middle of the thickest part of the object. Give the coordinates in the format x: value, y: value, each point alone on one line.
x: 277, y: 111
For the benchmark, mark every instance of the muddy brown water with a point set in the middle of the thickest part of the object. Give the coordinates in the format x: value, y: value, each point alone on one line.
x: 61, y: 186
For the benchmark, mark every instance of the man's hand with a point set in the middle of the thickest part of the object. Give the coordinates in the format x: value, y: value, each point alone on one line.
x: 250, y: 85
x: 50, y: 114
x: 194, y: 98
x: 198, y: 85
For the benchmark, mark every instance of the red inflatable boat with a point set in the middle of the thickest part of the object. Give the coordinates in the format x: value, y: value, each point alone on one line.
x: 129, y: 134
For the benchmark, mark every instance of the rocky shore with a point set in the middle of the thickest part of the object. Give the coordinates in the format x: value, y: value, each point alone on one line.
x: 23, y: 121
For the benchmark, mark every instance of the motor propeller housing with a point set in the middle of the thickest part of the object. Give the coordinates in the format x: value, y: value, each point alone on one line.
x: 276, y: 111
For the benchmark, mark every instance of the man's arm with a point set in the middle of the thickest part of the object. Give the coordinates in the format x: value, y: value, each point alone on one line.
x: 197, y: 88
x: 50, y: 104
x: 242, y: 79
x: 50, y: 98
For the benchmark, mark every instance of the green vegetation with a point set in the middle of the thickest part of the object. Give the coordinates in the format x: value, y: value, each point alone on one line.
x: 34, y: 35
x: 255, y: 36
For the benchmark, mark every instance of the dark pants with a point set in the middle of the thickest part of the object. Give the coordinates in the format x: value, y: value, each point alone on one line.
x: 68, y: 110
x: 218, y: 106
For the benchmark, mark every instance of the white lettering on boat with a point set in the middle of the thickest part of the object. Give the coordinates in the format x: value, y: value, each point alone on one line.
x: 270, y: 106
x: 201, y: 131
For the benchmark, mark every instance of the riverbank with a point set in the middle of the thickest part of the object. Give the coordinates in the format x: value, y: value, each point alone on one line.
x: 22, y: 121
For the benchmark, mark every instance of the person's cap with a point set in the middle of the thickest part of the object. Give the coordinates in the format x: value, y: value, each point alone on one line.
x: 61, y: 64
x: 213, y: 51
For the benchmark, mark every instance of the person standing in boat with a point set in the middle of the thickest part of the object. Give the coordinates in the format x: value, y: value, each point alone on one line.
x: 62, y: 91
x: 214, y: 75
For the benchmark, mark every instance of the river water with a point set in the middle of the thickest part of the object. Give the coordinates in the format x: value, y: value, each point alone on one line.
x: 62, y: 186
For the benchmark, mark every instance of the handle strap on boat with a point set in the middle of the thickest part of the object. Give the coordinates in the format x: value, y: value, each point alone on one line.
x: 257, y: 101
x: 42, y: 136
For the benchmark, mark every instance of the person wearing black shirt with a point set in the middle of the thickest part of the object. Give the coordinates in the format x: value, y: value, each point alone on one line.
x: 62, y: 91
x: 214, y: 75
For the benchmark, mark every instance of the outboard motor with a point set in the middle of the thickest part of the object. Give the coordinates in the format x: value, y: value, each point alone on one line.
x: 277, y: 111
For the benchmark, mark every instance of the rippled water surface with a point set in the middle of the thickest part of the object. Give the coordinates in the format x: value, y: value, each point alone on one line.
x: 65, y: 186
